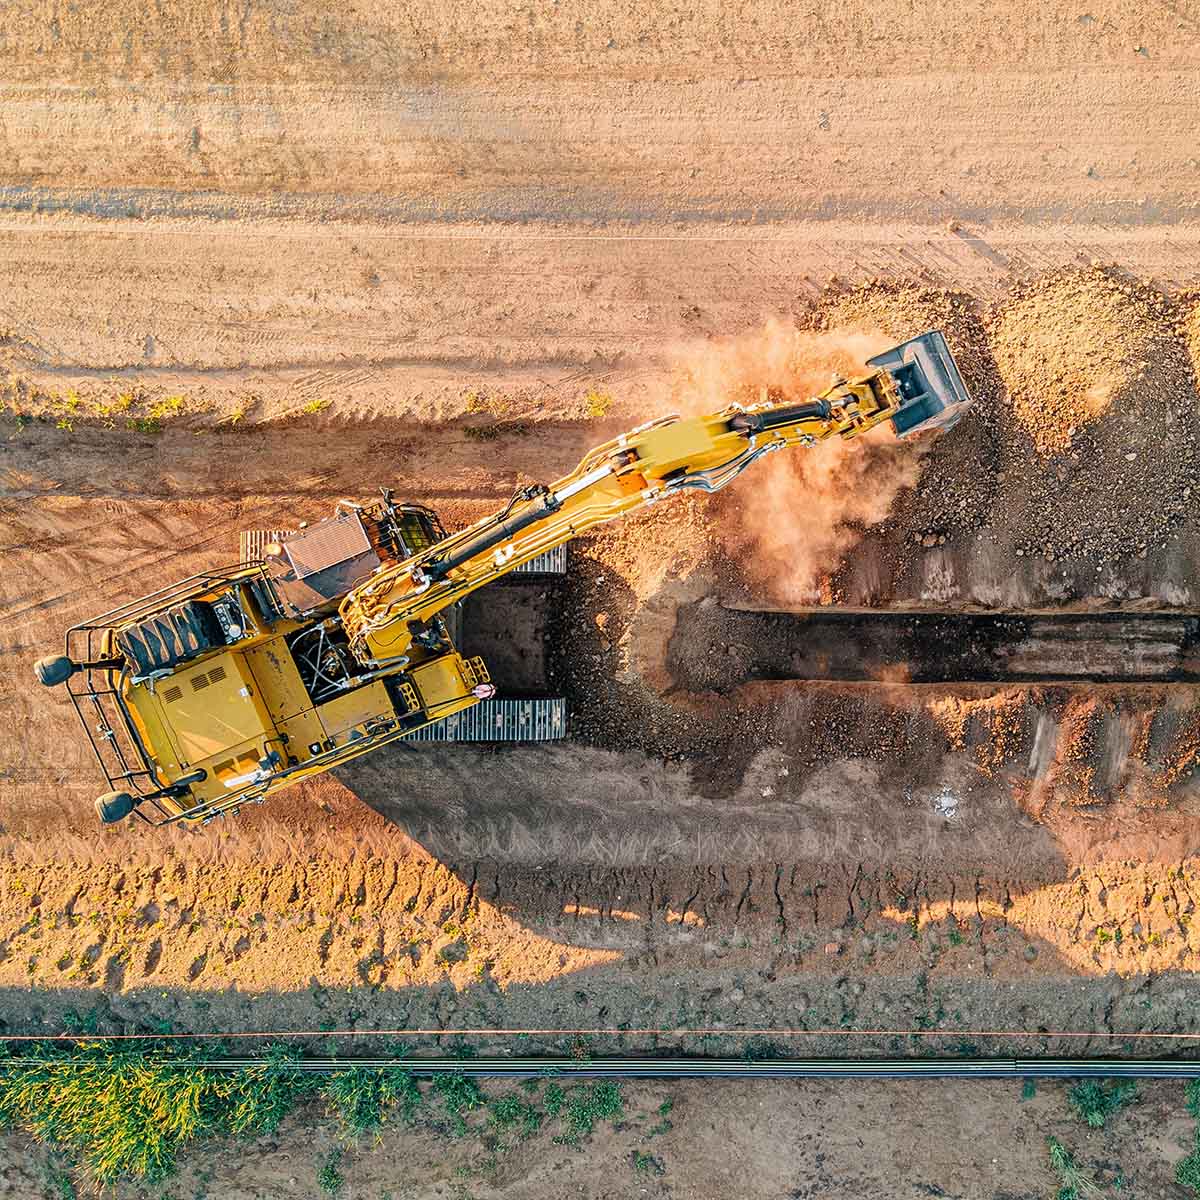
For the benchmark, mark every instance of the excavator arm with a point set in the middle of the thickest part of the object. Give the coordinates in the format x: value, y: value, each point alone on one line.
x: 916, y: 386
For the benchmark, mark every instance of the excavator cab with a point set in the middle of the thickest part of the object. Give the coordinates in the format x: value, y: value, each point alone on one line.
x: 932, y: 392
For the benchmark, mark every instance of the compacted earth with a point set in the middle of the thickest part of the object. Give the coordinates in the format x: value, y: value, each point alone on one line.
x: 889, y: 748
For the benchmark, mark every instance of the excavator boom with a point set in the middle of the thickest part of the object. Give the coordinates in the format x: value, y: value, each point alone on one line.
x: 325, y: 643
x: 916, y: 386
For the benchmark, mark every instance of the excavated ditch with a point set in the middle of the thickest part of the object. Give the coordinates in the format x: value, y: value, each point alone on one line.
x: 716, y: 649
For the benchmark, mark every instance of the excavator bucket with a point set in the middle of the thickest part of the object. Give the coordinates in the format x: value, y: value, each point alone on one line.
x: 933, y: 395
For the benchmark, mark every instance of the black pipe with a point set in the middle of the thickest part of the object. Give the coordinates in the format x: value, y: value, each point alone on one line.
x: 787, y: 414
x: 745, y: 1068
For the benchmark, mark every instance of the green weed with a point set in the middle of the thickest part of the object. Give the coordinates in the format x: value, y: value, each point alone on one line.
x: 127, y: 1112
x: 585, y: 1104
x: 1187, y: 1170
x: 1096, y: 1101
x: 459, y: 1094
x: 329, y: 1175
x: 315, y: 406
x: 58, y: 1182
x: 118, y: 1115
x: 647, y: 1164
x: 255, y: 1100
x: 554, y: 1099
x: 364, y: 1099
x: 510, y: 1113
x: 88, y: 1022
x: 1075, y: 1182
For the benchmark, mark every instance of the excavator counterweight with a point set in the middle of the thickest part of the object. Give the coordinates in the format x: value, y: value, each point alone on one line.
x: 328, y: 641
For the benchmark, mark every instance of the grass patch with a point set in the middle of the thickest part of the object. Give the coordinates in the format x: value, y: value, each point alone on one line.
x: 364, y: 1099
x: 57, y: 1180
x: 1187, y: 1170
x: 1095, y: 1100
x: 128, y: 1112
x: 460, y: 1094
x: 586, y: 1103
x: 329, y: 1172
x: 647, y: 1164
x: 513, y: 1114
x: 1074, y: 1182
x: 597, y: 403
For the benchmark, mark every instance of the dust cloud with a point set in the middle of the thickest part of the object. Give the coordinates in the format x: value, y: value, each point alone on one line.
x: 796, y: 513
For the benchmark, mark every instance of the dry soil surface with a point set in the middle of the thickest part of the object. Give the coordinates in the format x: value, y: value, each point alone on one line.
x: 774, y: 1141
x: 260, y: 257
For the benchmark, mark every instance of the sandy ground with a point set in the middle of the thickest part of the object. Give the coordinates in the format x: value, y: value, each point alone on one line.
x: 260, y: 257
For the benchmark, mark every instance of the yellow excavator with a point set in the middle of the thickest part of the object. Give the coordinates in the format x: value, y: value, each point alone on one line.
x: 331, y: 640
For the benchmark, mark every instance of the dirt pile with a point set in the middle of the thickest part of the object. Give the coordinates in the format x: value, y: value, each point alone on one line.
x: 956, y: 482
x: 1072, y: 345
x: 1081, y: 446
x: 1103, y: 397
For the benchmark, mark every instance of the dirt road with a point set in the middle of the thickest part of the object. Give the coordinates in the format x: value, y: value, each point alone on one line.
x: 392, y: 210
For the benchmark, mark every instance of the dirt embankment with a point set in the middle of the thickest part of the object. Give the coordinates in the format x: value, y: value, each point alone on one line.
x: 607, y: 956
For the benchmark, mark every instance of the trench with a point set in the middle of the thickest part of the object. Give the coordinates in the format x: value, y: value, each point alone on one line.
x: 714, y: 648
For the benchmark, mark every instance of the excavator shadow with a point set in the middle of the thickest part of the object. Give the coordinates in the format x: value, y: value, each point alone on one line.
x: 760, y: 961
